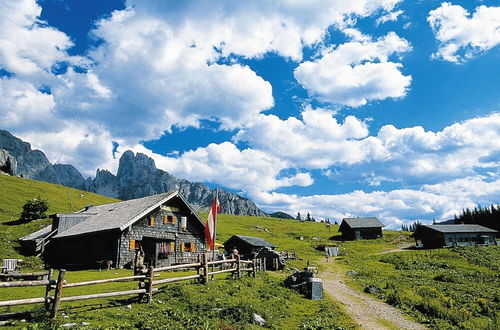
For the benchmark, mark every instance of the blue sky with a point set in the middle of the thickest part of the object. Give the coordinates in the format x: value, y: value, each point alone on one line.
x: 384, y: 108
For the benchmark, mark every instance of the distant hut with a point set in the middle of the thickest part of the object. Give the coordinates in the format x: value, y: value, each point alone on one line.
x: 248, y: 246
x: 437, y: 236
x: 164, y: 228
x: 360, y: 228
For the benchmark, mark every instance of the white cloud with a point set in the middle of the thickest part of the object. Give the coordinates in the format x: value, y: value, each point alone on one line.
x: 391, y: 16
x: 357, y: 72
x: 316, y: 141
x: 393, y: 208
x: 82, y: 145
x: 28, y: 47
x: 23, y: 104
x: 461, y: 37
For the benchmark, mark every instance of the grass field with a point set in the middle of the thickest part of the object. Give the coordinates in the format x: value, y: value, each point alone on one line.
x: 443, y: 288
x: 456, y: 288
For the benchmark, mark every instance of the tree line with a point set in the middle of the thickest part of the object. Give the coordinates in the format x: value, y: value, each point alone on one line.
x: 487, y: 216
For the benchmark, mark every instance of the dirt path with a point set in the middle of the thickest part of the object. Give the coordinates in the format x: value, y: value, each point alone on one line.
x: 366, y: 311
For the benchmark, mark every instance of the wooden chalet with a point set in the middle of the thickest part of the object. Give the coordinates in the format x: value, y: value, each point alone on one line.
x: 360, y: 228
x: 163, y: 226
x: 437, y: 236
x: 247, y: 246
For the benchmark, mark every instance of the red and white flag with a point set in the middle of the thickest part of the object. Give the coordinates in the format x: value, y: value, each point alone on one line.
x: 210, y: 225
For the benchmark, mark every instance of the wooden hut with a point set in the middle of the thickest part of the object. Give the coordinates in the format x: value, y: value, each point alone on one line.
x: 247, y: 246
x: 437, y: 236
x: 360, y: 228
x: 164, y: 227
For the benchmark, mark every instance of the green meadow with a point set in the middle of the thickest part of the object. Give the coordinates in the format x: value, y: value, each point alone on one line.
x: 444, y: 289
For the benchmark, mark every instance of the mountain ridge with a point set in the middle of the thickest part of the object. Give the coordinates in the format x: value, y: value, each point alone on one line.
x: 137, y: 176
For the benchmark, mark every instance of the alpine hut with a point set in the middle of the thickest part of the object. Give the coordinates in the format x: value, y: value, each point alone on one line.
x: 437, y: 236
x: 163, y: 228
x: 248, y: 246
x: 360, y: 228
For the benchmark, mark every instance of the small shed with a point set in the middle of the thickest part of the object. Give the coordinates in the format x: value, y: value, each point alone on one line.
x: 437, y: 236
x: 361, y: 228
x: 34, y: 243
x: 247, y: 246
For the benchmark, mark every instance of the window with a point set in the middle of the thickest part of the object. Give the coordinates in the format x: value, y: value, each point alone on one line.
x: 151, y: 222
x: 189, y: 247
x: 169, y: 219
x: 132, y: 245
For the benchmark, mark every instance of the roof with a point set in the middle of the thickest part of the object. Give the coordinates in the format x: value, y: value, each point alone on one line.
x: 119, y: 215
x: 37, y: 234
x: 254, y: 241
x: 363, y: 222
x: 460, y: 228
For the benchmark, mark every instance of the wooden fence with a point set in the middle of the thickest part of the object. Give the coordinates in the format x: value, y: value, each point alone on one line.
x: 146, y: 282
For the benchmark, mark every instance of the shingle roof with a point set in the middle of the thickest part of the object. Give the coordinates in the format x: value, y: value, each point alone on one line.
x: 119, y: 215
x: 255, y: 241
x: 363, y: 222
x: 37, y: 234
x: 460, y: 228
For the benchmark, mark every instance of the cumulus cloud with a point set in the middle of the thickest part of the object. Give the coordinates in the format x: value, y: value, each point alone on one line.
x: 415, y: 156
x: 462, y: 36
x: 28, y: 47
x: 356, y: 72
x: 160, y: 64
x: 316, y: 141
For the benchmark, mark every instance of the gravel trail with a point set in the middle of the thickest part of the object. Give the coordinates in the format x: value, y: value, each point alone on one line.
x: 366, y: 311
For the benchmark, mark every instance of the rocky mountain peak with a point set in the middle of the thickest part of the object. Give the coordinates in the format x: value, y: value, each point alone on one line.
x: 137, y: 176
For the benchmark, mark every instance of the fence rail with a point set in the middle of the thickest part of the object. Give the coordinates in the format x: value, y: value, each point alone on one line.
x: 145, y: 281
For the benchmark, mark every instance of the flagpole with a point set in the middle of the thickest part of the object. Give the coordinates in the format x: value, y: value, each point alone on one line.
x: 215, y: 222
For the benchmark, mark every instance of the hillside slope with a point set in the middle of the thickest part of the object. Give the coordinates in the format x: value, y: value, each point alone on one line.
x: 14, y: 192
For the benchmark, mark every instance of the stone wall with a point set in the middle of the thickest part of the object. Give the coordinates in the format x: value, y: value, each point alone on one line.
x: 163, y: 232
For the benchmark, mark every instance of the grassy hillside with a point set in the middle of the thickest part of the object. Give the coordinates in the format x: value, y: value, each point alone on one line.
x: 14, y: 192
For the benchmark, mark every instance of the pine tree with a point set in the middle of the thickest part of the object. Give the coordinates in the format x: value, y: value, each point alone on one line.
x: 7, y: 167
x: 299, y: 217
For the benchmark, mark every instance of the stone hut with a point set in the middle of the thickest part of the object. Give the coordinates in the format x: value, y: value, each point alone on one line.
x: 164, y: 227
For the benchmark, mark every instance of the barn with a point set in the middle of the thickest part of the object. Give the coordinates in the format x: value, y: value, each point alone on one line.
x: 164, y: 227
x: 360, y: 228
x: 247, y: 246
x: 437, y: 236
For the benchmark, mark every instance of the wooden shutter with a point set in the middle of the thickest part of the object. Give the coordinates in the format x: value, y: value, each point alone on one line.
x: 193, y: 248
x: 174, y: 219
x: 182, y: 247
x: 132, y: 245
x: 151, y: 221
x: 165, y: 219
x: 172, y: 246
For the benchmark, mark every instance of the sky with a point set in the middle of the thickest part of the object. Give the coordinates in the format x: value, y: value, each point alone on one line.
x: 346, y: 108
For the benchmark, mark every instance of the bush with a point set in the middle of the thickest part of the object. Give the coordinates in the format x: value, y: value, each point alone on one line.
x: 34, y: 209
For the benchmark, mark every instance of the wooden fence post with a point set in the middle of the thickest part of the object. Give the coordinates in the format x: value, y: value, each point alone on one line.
x: 254, y: 266
x: 205, y: 268
x: 58, y: 294
x: 149, y: 284
x: 198, y: 268
x: 238, y: 266
x: 48, y: 288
